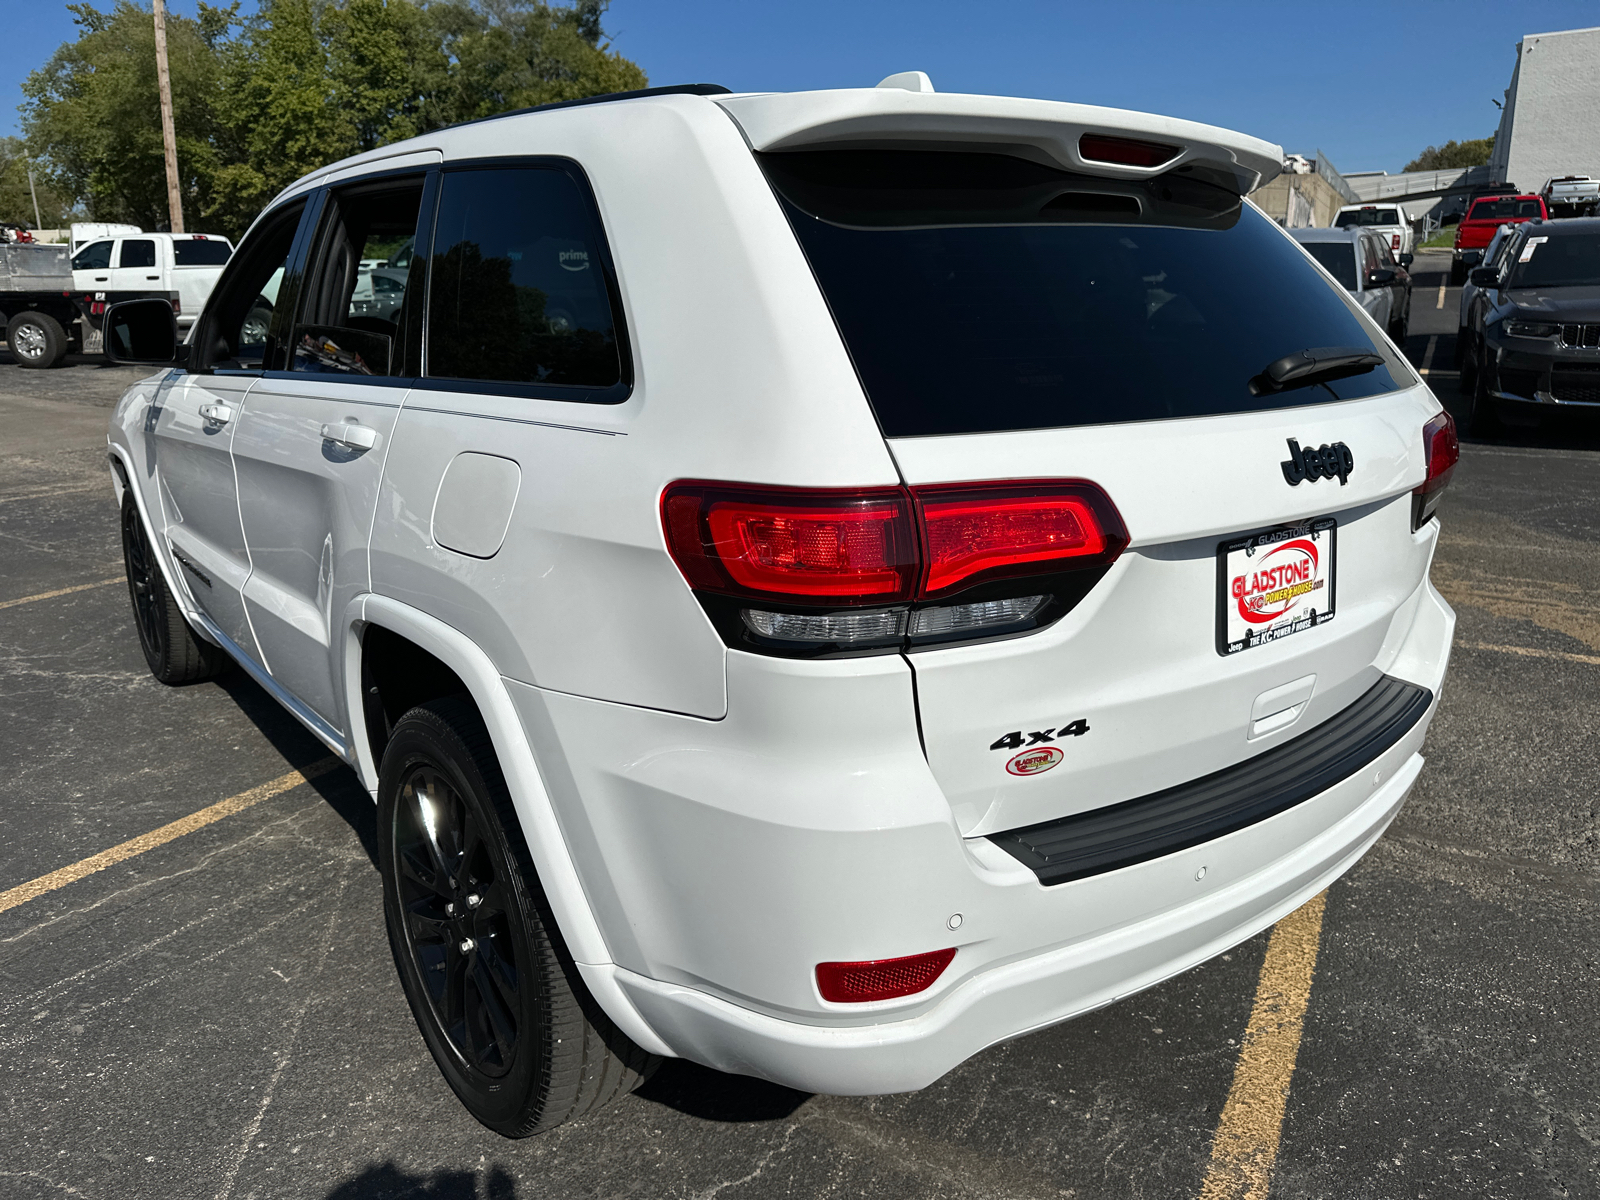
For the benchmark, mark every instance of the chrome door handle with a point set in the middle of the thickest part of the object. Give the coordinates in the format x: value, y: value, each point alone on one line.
x: 217, y: 414
x: 352, y: 435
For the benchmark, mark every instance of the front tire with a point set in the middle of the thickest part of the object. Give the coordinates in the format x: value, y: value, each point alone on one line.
x: 493, y: 990
x: 1484, y: 419
x: 171, y: 649
x: 36, y: 339
x: 1458, y: 274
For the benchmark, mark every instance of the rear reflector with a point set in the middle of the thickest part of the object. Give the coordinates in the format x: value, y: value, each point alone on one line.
x: 1441, y: 449
x: 881, y: 979
x: 1127, y: 152
x: 973, y: 534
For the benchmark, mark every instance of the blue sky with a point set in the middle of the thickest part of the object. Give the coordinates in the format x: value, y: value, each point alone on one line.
x: 1370, y: 84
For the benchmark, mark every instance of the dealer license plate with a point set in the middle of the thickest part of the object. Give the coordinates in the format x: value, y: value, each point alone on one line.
x: 1275, y: 584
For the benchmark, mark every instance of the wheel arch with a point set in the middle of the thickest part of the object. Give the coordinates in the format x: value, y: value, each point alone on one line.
x: 547, y: 845
x: 126, y: 481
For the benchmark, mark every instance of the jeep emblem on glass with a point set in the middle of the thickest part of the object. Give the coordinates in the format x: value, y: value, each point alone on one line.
x: 1322, y: 463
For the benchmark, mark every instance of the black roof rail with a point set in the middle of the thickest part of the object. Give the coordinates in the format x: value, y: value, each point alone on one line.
x: 677, y: 89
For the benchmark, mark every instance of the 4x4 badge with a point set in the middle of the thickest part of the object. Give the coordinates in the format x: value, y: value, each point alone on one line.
x: 1322, y: 463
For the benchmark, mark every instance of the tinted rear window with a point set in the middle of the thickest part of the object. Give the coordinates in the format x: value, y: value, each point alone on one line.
x: 1337, y: 258
x: 187, y: 252
x: 1504, y: 210
x: 981, y: 292
x: 1367, y: 216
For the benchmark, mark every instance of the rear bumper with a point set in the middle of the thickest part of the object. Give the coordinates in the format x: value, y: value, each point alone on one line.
x: 725, y: 859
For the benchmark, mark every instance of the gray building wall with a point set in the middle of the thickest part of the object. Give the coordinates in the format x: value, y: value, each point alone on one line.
x: 1551, y: 122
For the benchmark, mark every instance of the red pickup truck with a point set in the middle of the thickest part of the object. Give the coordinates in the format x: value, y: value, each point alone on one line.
x: 1482, y: 219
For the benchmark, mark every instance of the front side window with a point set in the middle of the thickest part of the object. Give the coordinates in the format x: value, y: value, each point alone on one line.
x: 352, y: 319
x: 980, y: 292
x: 237, y: 329
x: 520, y: 293
x: 137, y: 252
x: 96, y: 256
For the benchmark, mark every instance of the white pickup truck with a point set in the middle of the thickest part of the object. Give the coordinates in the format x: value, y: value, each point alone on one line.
x: 186, y: 263
x: 1572, y: 196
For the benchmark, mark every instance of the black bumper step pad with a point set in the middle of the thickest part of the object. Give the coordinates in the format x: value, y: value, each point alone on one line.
x: 1164, y: 822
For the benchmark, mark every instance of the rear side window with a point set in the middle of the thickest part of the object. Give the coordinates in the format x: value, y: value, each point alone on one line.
x: 139, y: 252
x: 1337, y: 258
x: 980, y: 292
x: 194, y: 252
x: 520, y: 291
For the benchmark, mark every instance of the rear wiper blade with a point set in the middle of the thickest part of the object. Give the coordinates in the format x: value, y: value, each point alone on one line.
x: 1307, y: 368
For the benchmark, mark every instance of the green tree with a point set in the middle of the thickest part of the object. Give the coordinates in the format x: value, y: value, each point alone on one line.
x: 16, y: 198
x: 1453, y: 154
x: 92, y: 118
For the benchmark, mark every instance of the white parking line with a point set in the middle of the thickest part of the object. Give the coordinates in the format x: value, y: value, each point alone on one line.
x: 1441, y: 297
x: 1427, y: 355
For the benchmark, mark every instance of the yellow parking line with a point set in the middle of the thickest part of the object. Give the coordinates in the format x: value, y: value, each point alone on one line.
x: 1427, y: 355
x: 35, y: 888
x: 1246, y: 1144
x: 1441, y: 297
x: 82, y: 587
x: 1529, y: 652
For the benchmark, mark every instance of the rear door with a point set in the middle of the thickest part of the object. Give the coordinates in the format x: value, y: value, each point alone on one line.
x: 310, y: 449
x: 138, y: 266
x: 1014, y: 323
x: 197, y: 262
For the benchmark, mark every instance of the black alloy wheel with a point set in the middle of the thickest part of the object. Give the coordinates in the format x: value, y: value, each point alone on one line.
x: 494, y: 993
x: 171, y: 650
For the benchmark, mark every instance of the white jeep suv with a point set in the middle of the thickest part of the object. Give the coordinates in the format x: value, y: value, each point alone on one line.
x: 815, y: 584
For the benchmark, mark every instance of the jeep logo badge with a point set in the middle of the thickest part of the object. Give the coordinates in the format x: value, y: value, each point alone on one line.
x: 1322, y: 463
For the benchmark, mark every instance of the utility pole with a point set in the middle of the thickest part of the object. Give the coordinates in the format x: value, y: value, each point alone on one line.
x: 169, y: 141
x: 32, y: 191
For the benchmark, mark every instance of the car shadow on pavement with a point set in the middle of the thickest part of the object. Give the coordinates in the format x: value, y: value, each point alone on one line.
x: 709, y: 1095
x: 389, y: 1182
x: 339, y: 789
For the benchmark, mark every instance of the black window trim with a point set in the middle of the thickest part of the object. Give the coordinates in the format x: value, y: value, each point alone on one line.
x: 309, y: 245
x: 617, y: 393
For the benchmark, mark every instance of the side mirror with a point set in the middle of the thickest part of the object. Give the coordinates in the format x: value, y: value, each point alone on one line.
x: 1382, y: 277
x: 1484, y: 277
x: 142, y: 333
x: 1407, y: 259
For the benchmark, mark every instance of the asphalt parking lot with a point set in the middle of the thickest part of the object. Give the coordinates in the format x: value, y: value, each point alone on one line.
x: 218, y: 1016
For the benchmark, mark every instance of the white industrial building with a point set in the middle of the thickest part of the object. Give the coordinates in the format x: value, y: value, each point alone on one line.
x: 1550, y: 125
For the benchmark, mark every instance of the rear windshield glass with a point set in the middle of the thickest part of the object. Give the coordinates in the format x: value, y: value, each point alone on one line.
x: 188, y: 252
x: 1337, y: 258
x: 1367, y: 216
x: 1504, y: 210
x: 981, y: 292
x: 1564, y: 261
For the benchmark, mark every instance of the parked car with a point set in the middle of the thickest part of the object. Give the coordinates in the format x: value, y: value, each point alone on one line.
x: 1388, y: 221
x: 1478, y: 226
x: 1359, y: 260
x: 186, y: 263
x: 854, y: 577
x: 1535, y: 325
x: 1572, y: 196
x: 1493, y: 256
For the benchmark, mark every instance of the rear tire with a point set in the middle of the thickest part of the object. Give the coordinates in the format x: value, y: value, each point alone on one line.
x: 174, y: 654
x: 494, y: 992
x: 37, y: 340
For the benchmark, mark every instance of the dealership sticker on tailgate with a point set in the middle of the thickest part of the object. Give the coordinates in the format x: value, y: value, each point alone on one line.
x: 1275, y: 584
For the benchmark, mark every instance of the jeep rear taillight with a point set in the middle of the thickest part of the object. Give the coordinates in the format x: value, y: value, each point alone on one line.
x: 934, y: 562
x: 1440, y: 451
x: 976, y: 533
